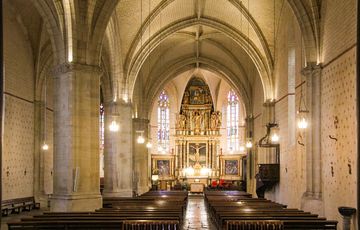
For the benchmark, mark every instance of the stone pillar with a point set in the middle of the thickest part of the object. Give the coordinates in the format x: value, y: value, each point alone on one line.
x: 39, y: 167
x: 141, y: 178
x: 118, y: 151
x: 180, y: 154
x: 250, y: 158
x: 184, y: 152
x: 177, y: 160
x: 76, y: 138
x: 312, y: 199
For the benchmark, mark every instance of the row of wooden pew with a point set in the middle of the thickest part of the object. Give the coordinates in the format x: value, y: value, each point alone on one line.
x: 232, y: 210
x: 153, y: 210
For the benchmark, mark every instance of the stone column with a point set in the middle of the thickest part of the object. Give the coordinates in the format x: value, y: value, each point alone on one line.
x: 312, y: 199
x: 179, y: 149
x: 250, y: 159
x: 39, y: 167
x: 118, y: 151
x: 141, y: 178
x: 76, y: 138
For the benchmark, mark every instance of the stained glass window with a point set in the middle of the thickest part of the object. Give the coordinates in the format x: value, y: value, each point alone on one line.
x: 163, y: 122
x: 101, y: 138
x: 232, y: 121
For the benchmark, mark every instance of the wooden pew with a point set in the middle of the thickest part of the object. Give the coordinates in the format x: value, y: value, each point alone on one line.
x: 151, y: 212
x: 18, y: 205
x: 229, y: 213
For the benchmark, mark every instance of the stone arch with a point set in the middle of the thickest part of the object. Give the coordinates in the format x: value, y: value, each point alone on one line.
x: 207, y: 64
x: 308, y: 18
x: 263, y: 66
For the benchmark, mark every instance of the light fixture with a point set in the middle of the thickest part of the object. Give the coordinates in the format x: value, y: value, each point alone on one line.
x: 114, y: 126
x: 148, y: 145
x: 248, y: 144
x: 302, y: 112
x: 204, y: 171
x: 189, y: 171
x: 275, y: 138
x: 45, y: 146
x: 140, y: 139
x: 155, y: 177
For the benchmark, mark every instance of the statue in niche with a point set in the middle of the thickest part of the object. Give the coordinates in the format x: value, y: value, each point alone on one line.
x: 215, y: 120
x: 186, y: 97
x: 181, y: 121
x: 197, y: 120
x: 218, y: 120
x: 196, y: 97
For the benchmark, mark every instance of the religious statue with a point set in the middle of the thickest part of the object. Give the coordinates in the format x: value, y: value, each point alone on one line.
x: 197, y: 120
x: 218, y: 119
x: 181, y: 121
x: 186, y: 97
x: 215, y: 120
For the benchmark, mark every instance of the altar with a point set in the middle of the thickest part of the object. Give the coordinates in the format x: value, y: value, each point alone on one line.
x: 195, y: 160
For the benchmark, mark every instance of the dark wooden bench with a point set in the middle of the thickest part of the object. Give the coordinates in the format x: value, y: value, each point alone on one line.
x: 152, y: 212
x: 18, y: 205
x: 96, y: 224
x: 254, y: 213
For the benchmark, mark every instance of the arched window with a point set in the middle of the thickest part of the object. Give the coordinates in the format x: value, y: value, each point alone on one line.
x: 101, y: 138
x: 163, y: 122
x: 232, y: 120
x: 101, y: 127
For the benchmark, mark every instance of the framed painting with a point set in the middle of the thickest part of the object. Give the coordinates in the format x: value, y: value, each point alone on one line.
x: 231, y: 167
x: 164, y: 167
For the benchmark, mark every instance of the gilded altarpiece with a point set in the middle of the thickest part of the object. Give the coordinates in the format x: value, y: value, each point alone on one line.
x: 197, y: 139
x: 197, y: 135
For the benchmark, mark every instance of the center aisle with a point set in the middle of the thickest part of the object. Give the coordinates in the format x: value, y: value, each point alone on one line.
x: 196, y: 214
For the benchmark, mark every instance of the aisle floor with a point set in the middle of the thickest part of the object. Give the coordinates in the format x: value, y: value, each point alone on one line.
x: 197, y: 216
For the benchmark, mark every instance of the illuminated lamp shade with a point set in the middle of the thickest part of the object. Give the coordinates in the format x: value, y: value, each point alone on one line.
x: 114, y: 126
x: 140, y: 140
x: 275, y: 134
x: 155, y: 177
x: 248, y: 144
x: 45, y: 147
x: 149, y: 145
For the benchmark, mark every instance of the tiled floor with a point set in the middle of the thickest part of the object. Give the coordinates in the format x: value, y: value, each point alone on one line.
x: 196, y: 215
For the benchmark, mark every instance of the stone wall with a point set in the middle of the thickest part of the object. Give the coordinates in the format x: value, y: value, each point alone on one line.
x: 338, y: 116
x: 338, y: 111
x: 18, y: 148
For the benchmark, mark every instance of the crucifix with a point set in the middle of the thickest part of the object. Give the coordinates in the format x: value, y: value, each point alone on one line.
x: 197, y: 152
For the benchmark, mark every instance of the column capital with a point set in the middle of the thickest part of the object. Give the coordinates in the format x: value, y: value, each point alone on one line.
x: 141, y: 120
x: 117, y: 103
x: 311, y: 69
x: 72, y: 67
x: 249, y: 118
x: 269, y: 103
